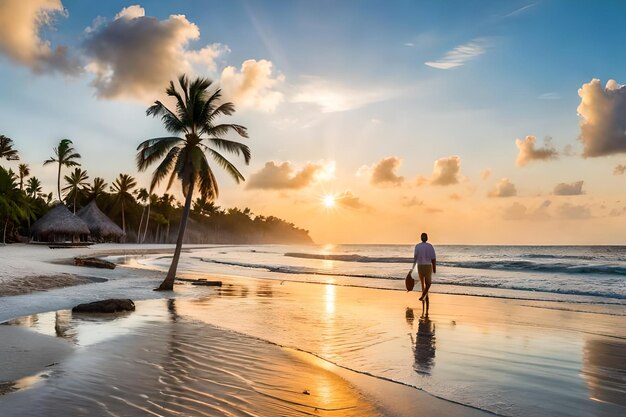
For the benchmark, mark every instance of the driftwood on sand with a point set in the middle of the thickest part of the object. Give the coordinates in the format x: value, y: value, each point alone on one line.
x: 94, y: 263
x: 112, y: 305
x: 201, y: 281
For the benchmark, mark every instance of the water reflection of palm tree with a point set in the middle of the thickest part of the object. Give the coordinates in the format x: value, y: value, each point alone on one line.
x: 424, y: 346
x: 63, y: 326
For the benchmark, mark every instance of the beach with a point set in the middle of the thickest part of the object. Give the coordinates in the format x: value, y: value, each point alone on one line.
x: 276, y: 343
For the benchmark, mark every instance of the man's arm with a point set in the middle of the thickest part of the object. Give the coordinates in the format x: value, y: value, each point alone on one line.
x: 434, y: 262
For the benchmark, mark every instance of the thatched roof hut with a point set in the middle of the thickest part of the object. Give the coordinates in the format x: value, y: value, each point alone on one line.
x: 59, y: 225
x: 101, y: 227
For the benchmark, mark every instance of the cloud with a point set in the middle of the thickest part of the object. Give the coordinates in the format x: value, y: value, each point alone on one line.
x: 331, y: 97
x: 528, y: 152
x: 349, y: 200
x: 460, y: 54
x: 455, y: 196
x: 485, y: 174
x: 574, y: 212
x: 253, y: 85
x: 517, y: 211
x: 445, y: 172
x: 574, y: 188
x: 383, y: 172
x: 619, y: 170
x: 520, y: 10
x: 433, y: 210
x: 411, y: 202
x: 135, y: 56
x: 504, y: 188
x: 21, y: 23
x: 549, y: 96
x: 283, y: 175
x: 603, y: 118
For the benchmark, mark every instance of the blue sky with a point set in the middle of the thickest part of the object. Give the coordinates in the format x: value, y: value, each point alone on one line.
x: 347, y: 87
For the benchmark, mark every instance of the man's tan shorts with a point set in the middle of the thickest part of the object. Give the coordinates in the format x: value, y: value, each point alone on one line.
x: 425, y: 272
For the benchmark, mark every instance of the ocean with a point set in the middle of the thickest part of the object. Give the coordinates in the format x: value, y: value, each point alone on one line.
x: 573, y: 274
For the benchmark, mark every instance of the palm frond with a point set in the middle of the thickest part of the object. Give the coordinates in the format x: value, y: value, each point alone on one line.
x: 153, y: 149
x: 207, y: 183
x: 224, y: 109
x: 227, y: 166
x: 233, y: 147
x: 171, y: 121
x: 223, y: 129
x: 164, y: 167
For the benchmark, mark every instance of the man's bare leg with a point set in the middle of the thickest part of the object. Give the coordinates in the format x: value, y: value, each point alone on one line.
x: 425, y: 287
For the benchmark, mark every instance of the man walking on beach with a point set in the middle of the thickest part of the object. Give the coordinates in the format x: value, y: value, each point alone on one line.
x: 425, y: 259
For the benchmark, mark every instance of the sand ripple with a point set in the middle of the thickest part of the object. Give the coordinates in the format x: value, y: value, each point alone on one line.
x: 184, y: 368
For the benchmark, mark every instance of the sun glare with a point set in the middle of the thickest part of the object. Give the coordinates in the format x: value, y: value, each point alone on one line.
x: 329, y: 201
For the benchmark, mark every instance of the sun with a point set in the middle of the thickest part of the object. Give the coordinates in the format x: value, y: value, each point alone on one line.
x: 329, y: 201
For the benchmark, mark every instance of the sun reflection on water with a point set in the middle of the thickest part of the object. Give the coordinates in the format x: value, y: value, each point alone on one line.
x: 330, y: 299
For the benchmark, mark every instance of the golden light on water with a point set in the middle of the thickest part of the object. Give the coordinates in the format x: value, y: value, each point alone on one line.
x: 330, y: 299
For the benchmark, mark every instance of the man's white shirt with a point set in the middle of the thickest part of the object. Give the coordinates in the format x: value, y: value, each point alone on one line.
x: 424, y: 253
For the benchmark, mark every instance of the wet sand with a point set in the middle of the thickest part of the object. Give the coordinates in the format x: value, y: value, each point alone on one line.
x: 168, y: 364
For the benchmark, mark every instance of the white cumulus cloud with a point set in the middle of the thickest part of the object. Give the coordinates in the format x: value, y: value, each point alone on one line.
x: 446, y: 171
x: 21, y: 23
x: 504, y: 188
x: 573, y: 188
x: 603, y: 118
x: 253, y: 86
x: 528, y: 151
x: 135, y: 56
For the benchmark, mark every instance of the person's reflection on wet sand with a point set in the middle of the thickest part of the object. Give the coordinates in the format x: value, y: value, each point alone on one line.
x: 424, y: 346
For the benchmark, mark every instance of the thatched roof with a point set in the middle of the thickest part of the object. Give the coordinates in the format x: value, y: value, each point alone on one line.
x: 98, y: 222
x: 59, y: 220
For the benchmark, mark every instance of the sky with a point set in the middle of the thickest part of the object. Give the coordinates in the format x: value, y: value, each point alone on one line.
x: 486, y: 122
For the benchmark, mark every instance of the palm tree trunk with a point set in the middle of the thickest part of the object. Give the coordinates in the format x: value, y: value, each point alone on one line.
x: 168, y: 282
x: 147, y: 220
x: 75, y: 201
x: 123, y: 219
x: 140, y: 224
x: 59, y: 183
x: 4, y: 234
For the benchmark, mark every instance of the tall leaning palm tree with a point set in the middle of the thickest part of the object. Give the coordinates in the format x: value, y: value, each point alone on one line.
x: 184, y: 156
x: 6, y: 149
x: 122, y: 189
x: 76, y: 185
x: 23, y: 172
x: 64, y: 155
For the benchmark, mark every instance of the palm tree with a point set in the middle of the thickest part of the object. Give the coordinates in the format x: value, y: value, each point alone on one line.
x: 6, y: 149
x: 33, y: 188
x: 185, y: 157
x: 76, y: 185
x: 122, y: 192
x: 98, y: 188
x: 143, y: 196
x: 64, y: 156
x: 24, y: 171
x: 12, y: 201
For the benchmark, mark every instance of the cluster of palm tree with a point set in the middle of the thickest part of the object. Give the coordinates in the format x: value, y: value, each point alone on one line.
x: 196, y: 134
x: 17, y: 204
